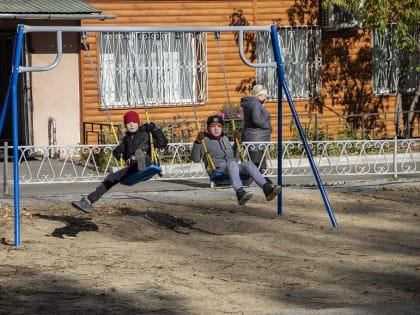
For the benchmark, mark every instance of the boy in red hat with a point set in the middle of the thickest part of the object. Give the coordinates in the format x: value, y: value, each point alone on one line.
x: 225, y: 159
x: 134, y: 149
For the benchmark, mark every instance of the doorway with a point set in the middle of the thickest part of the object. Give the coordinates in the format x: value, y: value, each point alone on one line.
x: 7, y: 40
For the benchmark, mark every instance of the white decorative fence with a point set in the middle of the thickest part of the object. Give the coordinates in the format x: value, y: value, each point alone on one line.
x: 82, y: 163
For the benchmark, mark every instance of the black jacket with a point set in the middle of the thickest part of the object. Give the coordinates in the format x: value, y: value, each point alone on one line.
x: 139, y: 140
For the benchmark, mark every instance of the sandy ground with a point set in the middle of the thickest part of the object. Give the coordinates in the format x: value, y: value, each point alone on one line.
x: 198, y: 252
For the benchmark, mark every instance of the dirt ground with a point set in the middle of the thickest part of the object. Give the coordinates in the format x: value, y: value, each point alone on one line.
x: 198, y: 252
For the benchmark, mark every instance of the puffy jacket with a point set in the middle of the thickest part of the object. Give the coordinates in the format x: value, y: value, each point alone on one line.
x: 257, y: 122
x: 139, y: 140
x: 219, y: 150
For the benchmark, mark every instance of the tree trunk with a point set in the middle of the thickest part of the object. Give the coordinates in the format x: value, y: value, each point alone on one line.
x: 411, y: 115
x: 399, y: 122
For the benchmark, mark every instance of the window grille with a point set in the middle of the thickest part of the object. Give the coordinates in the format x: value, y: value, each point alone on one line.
x: 393, y: 70
x: 300, y: 49
x: 334, y: 18
x: 158, y: 68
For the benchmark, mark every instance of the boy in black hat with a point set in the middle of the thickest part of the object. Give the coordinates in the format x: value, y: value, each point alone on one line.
x: 225, y: 159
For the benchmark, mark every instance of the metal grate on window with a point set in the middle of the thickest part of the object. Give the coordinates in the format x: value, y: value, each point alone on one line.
x: 300, y: 49
x: 393, y: 70
x: 152, y: 68
x: 384, y: 63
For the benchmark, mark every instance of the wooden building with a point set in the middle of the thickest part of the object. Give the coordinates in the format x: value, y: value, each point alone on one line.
x: 333, y: 68
x: 333, y: 77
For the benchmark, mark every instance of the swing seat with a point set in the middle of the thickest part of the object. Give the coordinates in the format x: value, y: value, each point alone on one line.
x: 150, y: 171
x: 221, y: 179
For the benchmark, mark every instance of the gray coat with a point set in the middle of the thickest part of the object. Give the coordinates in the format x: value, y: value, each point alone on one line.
x: 219, y: 150
x: 257, y: 123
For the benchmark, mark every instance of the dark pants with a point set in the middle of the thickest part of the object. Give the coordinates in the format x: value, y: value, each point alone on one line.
x: 257, y: 157
x: 111, y: 180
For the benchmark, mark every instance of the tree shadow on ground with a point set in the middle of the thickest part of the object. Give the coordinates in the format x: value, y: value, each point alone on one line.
x: 35, y: 292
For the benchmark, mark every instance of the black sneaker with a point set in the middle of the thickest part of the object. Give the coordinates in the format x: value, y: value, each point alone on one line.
x: 243, y: 196
x: 271, y: 191
x: 84, y: 204
x: 141, y: 159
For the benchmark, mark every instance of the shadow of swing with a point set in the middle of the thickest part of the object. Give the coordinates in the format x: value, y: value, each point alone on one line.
x: 73, y: 225
x: 169, y: 221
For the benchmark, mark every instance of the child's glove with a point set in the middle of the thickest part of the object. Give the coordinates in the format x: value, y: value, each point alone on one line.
x: 200, y: 136
x: 237, y: 135
x: 150, y: 127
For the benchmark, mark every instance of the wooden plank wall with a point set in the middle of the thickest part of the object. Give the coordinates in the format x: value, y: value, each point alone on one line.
x: 205, y: 13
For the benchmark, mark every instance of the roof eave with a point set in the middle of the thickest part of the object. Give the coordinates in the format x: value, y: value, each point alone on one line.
x: 57, y: 16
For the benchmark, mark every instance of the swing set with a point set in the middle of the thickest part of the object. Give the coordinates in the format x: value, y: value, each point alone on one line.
x: 154, y: 168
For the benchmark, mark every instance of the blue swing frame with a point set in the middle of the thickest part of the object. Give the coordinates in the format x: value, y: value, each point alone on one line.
x: 150, y: 171
x: 282, y: 85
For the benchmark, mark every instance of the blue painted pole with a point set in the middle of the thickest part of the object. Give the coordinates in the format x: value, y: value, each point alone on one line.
x: 282, y: 80
x: 279, y: 130
x: 15, y: 132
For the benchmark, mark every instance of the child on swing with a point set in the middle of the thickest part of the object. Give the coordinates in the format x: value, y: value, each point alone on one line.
x: 134, y: 149
x: 225, y: 159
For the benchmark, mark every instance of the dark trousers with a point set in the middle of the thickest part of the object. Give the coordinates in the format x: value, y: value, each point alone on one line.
x: 111, y: 180
x: 257, y: 157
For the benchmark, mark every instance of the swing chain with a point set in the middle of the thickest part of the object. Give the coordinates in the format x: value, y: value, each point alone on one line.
x: 210, y: 162
x: 99, y: 88
x: 153, y: 153
x: 222, y: 64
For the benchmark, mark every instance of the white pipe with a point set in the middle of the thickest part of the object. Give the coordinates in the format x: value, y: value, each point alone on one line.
x: 52, y: 131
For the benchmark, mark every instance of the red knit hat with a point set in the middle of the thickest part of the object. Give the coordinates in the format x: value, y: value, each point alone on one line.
x: 131, y: 116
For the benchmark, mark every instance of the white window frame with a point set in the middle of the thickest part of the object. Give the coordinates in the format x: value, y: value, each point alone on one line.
x: 140, y: 69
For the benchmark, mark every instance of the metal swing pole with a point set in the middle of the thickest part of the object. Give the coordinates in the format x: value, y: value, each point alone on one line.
x: 282, y: 82
x: 14, y: 83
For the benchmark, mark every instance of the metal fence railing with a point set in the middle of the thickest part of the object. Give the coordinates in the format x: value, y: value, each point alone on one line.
x: 87, y: 163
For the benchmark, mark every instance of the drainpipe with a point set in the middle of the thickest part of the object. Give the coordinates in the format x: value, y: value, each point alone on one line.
x: 52, y: 134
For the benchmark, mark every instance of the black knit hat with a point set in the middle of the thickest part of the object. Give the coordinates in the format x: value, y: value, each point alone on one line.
x: 214, y: 120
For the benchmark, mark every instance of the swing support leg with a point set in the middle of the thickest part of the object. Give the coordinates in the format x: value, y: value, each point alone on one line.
x: 282, y: 84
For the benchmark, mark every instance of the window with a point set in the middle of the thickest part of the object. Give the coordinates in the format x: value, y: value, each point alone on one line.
x: 393, y: 70
x: 159, y: 68
x: 300, y: 50
x: 334, y: 18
